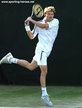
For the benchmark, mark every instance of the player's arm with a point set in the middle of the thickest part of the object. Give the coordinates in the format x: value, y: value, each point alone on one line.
x: 39, y: 24
x: 28, y: 31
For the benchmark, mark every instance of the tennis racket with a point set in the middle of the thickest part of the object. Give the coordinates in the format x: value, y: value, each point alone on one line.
x: 37, y: 10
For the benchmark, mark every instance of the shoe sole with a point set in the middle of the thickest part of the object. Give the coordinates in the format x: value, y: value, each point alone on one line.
x: 46, y: 103
x: 5, y: 57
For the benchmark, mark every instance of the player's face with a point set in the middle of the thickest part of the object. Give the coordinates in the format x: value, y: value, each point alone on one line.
x: 49, y: 16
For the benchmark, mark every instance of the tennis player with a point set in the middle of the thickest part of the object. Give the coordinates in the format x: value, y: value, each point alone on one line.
x: 46, y: 30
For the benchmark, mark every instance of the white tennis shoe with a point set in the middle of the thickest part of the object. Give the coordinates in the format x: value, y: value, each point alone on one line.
x: 6, y: 59
x: 46, y: 100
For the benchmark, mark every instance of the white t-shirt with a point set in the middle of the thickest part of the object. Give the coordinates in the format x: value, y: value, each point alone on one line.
x: 47, y: 37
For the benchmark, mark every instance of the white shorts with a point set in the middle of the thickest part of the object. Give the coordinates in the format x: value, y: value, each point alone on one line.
x: 41, y: 56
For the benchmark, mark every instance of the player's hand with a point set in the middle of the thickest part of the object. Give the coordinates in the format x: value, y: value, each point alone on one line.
x: 26, y: 22
x: 29, y: 19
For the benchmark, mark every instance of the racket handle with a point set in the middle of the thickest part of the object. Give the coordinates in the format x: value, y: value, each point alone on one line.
x: 26, y: 22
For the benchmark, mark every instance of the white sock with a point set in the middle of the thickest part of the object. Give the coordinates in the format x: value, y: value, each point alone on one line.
x: 44, y: 92
x: 14, y: 60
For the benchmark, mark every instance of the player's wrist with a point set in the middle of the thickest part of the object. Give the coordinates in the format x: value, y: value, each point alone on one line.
x: 27, y: 28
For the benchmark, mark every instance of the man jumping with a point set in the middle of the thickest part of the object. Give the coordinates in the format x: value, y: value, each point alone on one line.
x: 47, y: 30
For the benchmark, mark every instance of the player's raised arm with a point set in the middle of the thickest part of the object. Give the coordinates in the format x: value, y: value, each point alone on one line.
x: 39, y: 24
x: 29, y: 33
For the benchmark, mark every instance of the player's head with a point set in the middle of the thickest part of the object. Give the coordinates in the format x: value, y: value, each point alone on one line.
x: 49, y: 12
x: 49, y: 9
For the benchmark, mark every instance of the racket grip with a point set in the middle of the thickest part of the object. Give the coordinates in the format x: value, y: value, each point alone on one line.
x: 26, y: 22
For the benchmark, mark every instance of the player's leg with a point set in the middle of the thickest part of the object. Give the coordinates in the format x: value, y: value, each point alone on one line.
x: 45, y: 98
x: 10, y: 59
x: 43, y: 75
x: 43, y: 79
x: 31, y: 66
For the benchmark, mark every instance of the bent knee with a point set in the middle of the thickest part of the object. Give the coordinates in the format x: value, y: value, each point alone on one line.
x: 31, y: 69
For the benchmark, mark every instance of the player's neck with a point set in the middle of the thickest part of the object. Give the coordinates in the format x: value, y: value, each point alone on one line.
x: 47, y: 20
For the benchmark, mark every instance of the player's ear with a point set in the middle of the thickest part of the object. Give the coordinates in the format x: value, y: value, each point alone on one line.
x: 44, y: 14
